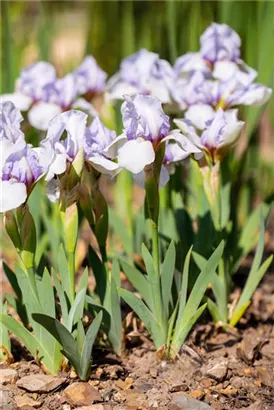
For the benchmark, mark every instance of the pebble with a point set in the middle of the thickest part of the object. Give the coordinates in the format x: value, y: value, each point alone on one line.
x: 22, y: 401
x: 95, y: 407
x: 82, y: 394
x: 184, y: 402
x: 8, y: 376
x: 41, y: 383
x: 217, y: 370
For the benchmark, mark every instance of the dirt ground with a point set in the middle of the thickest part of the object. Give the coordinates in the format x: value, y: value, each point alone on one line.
x: 217, y: 370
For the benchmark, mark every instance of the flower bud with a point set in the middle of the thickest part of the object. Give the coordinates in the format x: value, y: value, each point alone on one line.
x: 86, y: 204
x: 71, y: 227
x: 28, y: 238
x: 12, y: 229
x: 76, y: 170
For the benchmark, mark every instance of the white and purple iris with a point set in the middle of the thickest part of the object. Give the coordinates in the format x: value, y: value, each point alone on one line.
x: 20, y: 165
x: 214, y: 136
x: 146, y: 126
x: 90, y: 78
x: 143, y: 73
x: 40, y: 91
x: 216, y: 75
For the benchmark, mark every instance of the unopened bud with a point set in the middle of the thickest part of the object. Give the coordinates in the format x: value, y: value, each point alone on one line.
x: 28, y: 238
x: 12, y: 229
x: 71, y: 228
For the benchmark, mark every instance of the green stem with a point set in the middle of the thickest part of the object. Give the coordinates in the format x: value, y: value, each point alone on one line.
x: 157, y: 295
x: 71, y: 266
x: 155, y: 246
x: 106, y: 272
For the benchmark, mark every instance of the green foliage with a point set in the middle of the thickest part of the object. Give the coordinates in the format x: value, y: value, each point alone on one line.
x: 169, y: 328
x: 78, y: 352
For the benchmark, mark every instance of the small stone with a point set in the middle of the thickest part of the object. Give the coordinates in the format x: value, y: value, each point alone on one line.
x: 153, y: 373
x: 5, y: 398
x: 108, y: 392
x: 197, y: 394
x: 178, y: 387
x: 266, y: 376
x: 82, y: 394
x: 8, y: 376
x: 217, y: 370
x: 184, y: 402
x: 229, y: 391
x: 23, y: 401
x: 121, y: 384
x: 118, y: 397
x: 206, y: 383
x: 95, y: 407
x: 40, y: 383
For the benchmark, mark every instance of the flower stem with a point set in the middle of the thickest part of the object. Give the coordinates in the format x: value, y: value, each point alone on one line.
x: 156, y: 258
x: 71, y: 266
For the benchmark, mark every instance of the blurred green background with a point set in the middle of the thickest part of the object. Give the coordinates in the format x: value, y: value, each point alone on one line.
x: 64, y: 32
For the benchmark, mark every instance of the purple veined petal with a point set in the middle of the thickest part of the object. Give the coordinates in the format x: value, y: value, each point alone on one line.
x: 11, y: 119
x: 97, y: 138
x: 230, y: 133
x: 223, y: 130
x: 21, y: 101
x: 220, y: 42
x: 138, y: 66
x: 90, y: 77
x: 254, y: 94
x: 23, y: 166
x: 33, y: 80
x: 143, y: 73
x: 212, y: 134
x: 143, y: 116
x: 174, y: 153
x: 104, y: 165
x: 189, y: 131
x: 199, y: 114
x: 135, y: 155
x: 64, y: 93
x: 74, y: 123
x: 182, y: 143
x: 40, y: 115
x: 12, y: 194
x: 189, y: 63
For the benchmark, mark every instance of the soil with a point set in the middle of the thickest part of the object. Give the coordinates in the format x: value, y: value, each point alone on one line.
x: 225, y: 370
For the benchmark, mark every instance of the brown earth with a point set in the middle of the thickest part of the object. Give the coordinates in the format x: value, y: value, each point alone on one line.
x: 225, y: 370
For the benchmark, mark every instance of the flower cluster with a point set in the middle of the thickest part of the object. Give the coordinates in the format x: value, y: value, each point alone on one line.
x: 216, y: 76
x: 206, y: 83
x: 209, y: 83
x: 143, y: 73
x: 39, y: 90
